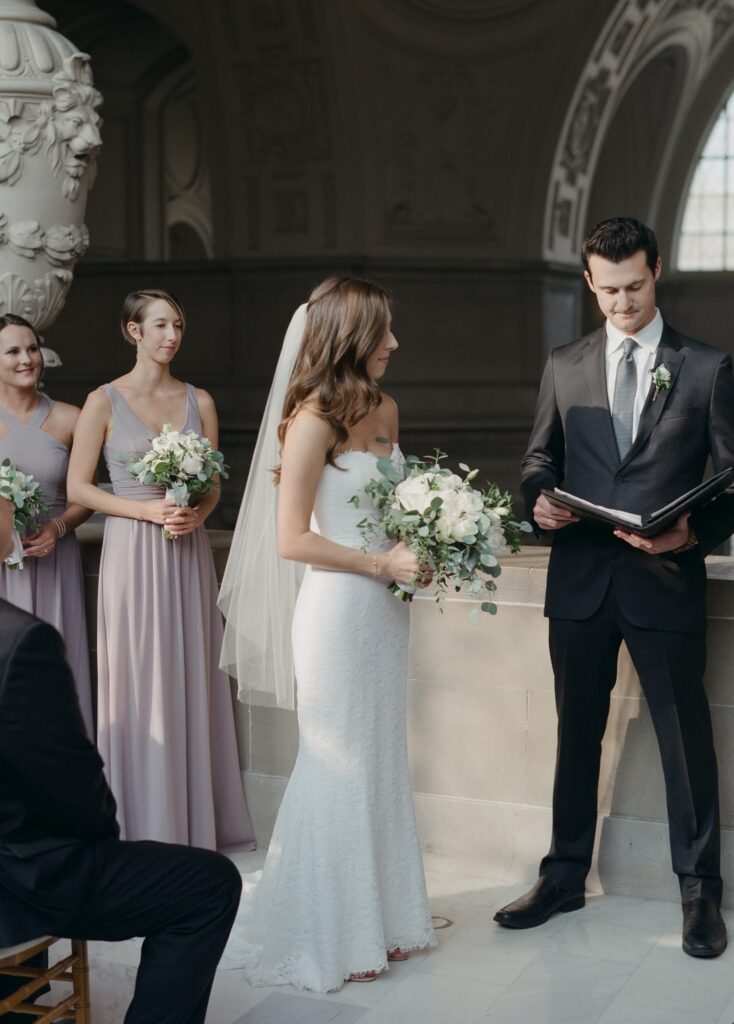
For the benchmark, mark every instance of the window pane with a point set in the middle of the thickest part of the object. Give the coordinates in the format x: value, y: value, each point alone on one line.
x: 716, y: 144
x: 709, y: 177
x: 707, y: 230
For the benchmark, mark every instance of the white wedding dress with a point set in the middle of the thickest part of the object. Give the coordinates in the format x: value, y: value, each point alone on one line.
x: 343, y: 879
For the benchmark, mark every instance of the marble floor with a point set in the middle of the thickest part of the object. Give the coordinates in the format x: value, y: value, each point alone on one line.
x: 618, y: 961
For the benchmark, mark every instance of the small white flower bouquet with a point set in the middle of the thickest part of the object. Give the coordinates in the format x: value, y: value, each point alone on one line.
x: 183, y: 463
x: 25, y: 495
x: 455, y: 530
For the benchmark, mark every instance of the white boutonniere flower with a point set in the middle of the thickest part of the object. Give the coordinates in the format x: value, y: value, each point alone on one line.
x: 661, y: 379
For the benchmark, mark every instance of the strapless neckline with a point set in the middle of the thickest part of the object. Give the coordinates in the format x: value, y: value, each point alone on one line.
x: 359, y: 451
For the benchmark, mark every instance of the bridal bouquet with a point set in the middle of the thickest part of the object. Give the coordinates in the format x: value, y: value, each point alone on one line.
x: 183, y: 463
x: 25, y: 495
x: 455, y: 530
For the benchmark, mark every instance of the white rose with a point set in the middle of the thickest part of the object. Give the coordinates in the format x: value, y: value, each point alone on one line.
x: 448, y: 483
x: 192, y: 465
x: 450, y: 510
x: 496, y: 538
x: 413, y: 494
x: 470, y: 501
x: 465, y: 527
x: 160, y: 445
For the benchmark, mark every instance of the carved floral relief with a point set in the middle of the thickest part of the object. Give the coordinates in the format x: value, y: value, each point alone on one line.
x: 38, y: 300
x: 61, y: 243
x: 441, y: 161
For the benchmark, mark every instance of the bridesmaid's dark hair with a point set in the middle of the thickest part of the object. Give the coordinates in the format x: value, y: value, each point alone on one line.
x: 347, y: 319
x: 136, y: 303
x: 13, y: 320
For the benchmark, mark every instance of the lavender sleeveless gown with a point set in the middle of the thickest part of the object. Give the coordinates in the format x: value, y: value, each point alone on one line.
x: 51, y: 587
x: 165, y: 719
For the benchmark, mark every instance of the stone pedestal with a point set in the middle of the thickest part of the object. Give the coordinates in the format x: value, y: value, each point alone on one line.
x: 49, y: 141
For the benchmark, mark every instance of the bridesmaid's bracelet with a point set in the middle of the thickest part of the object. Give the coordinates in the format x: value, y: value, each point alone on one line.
x: 374, y: 565
x: 60, y: 527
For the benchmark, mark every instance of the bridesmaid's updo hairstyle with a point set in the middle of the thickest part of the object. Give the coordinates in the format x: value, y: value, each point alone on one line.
x: 347, y: 319
x: 136, y: 303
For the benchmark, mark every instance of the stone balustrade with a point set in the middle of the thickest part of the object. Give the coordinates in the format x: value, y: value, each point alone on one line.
x: 482, y: 727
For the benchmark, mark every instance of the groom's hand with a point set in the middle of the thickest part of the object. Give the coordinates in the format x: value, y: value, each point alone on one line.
x: 676, y: 537
x: 550, y: 516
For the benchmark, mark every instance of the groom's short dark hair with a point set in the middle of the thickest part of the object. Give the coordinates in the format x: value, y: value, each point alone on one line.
x: 618, y: 238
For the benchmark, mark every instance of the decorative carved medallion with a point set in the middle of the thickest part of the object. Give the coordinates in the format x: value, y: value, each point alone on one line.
x: 435, y: 179
x: 38, y: 301
x: 285, y: 109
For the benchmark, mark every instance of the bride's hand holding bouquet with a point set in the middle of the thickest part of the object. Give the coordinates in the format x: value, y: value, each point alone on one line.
x: 454, y: 531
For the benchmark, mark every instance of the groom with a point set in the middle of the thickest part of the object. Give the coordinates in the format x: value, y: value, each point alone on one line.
x: 605, y: 432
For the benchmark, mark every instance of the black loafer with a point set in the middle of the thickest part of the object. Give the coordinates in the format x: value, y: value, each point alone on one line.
x: 535, y: 907
x: 704, y: 931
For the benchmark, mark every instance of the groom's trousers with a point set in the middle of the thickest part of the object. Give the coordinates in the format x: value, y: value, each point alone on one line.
x: 182, y: 899
x: 670, y: 666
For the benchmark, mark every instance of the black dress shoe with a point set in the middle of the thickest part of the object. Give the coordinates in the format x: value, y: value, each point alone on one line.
x: 704, y: 931
x: 536, y: 906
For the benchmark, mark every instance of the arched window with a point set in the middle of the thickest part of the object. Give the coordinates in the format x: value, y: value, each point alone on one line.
x: 706, y: 239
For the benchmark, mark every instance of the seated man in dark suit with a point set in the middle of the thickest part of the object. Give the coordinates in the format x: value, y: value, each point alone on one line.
x: 63, y: 869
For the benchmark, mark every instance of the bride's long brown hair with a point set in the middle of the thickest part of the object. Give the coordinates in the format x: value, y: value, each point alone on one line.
x: 347, y: 319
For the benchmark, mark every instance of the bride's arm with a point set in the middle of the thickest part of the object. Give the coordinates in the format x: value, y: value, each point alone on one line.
x: 302, y: 464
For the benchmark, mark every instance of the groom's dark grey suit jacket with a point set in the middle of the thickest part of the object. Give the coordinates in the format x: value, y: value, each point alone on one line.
x: 572, y: 446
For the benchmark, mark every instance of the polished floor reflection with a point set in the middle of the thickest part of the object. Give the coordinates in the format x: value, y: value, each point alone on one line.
x: 618, y: 961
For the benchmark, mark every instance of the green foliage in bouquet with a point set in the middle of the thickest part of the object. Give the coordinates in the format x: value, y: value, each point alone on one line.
x: 26, y: 497
x: 24, y: 493
x: 454, y: 529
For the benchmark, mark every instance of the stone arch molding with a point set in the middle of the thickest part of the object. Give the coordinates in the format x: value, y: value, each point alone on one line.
x: 634, y: 34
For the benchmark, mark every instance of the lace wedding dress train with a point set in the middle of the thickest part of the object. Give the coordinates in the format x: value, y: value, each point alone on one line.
x: 343, y: 879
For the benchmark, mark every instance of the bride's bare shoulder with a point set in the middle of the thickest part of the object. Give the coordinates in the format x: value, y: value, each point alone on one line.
x: 307, y: 426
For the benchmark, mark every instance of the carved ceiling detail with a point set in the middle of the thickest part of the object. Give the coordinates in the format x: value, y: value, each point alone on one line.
x: 627, y: 41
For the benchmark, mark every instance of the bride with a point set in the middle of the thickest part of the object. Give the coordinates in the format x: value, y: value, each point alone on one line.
x: 342, y: 890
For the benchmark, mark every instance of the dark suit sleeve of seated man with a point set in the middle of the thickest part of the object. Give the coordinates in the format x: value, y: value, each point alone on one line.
x: 714, y: 523
x: 43, y: 741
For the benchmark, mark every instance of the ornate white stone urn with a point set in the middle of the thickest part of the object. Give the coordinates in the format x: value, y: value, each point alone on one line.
x: 49, y: 141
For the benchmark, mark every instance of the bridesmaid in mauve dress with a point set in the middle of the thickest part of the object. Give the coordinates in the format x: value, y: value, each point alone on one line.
x: 165, y: 718
x: 36, y: 435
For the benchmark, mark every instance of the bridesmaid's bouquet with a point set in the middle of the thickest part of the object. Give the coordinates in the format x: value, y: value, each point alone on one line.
x: 455, y: 530
x: 183, y: 463
x: 25, y: 495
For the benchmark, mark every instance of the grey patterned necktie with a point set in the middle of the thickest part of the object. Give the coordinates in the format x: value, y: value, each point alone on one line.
x: 625, y: 392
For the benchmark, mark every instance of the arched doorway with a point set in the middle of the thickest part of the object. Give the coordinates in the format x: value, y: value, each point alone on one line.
x: 152, y: 198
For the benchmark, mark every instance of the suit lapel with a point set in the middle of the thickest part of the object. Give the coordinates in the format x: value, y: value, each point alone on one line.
x: 595, y: 367
x: 669, y: 353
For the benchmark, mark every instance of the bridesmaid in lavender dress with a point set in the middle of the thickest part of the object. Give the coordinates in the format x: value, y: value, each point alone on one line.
x: 36, y: 434
x: 165, y: 717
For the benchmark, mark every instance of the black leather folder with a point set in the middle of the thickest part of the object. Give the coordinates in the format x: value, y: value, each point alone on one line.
x: 647, y: 524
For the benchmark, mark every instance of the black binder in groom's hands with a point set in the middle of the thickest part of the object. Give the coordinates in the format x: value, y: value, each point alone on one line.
x: 647, y: 525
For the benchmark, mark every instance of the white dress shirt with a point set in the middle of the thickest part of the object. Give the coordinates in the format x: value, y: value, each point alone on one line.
x: 647, y: 340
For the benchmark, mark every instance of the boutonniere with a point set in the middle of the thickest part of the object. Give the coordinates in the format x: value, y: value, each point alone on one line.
x: 661, y: 379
